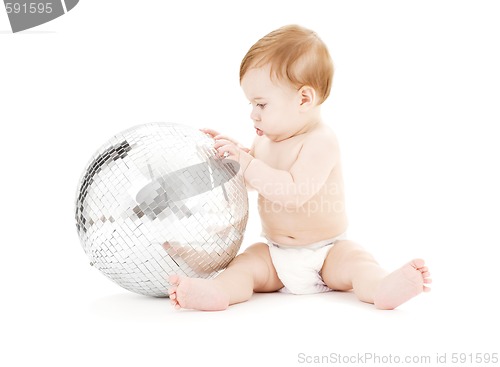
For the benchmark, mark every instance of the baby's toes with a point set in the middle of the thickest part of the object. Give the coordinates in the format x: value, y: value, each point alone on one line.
x: 174, y: 280
x: 172, y: 293
x: 425, y: 272
x: 418, y: 264
x: 176, y: 305
x: 173, y: 298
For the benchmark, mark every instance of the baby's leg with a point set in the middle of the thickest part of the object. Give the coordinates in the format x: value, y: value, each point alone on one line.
x: 251, y: 271
x: 348, y: 266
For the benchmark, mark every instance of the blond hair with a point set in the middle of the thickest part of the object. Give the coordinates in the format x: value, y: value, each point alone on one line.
x: 295, y: 54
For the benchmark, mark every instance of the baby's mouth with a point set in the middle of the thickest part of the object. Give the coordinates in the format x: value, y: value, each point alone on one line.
x: 259, y: 132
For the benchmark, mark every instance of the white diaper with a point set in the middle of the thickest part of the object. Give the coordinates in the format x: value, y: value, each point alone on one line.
x: 298, y: 267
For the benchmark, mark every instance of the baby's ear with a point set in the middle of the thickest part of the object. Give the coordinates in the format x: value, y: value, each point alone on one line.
x: 307, y: 97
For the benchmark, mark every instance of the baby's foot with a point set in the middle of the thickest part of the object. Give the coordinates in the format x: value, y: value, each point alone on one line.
x: 402, y: 285
x: 197, y: 293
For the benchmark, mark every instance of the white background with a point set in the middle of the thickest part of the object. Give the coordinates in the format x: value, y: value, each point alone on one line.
x: 415, y: 104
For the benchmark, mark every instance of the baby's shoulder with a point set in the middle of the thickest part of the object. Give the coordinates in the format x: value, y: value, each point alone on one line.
x: 322, y: 135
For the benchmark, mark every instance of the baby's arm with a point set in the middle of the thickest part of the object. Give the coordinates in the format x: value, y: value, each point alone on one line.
x: 302, y: 181
x: 293, y: 188
x: 239, y: 147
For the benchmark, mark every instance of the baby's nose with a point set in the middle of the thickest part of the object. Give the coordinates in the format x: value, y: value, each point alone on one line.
x: 254, y: 115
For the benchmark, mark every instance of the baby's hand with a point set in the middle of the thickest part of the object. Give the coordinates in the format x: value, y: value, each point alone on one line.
x: 228, y: 149
x: 210, y: 132
x: 218, y: 137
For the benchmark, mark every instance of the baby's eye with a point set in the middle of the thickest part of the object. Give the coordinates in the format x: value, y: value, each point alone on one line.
x: 260, y: 105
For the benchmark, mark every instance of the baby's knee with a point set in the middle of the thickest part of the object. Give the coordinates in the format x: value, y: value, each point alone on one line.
x: 255, y: 254
x: 349, y: 249
x: 262, y: 267
x: 345, y: 254
x: 260, y: 250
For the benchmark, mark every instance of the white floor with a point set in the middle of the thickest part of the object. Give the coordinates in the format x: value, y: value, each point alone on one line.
x: 108, y: 327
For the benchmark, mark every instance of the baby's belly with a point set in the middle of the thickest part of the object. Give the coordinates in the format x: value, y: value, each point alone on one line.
x: 301, y: 226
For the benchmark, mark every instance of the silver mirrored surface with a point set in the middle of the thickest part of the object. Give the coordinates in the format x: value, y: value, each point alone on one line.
x: 155, y: 201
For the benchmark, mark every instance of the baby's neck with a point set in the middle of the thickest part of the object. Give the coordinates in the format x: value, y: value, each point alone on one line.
x: 311, y: 121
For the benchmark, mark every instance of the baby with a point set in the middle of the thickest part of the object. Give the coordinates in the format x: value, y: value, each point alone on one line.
x: 294, y: 165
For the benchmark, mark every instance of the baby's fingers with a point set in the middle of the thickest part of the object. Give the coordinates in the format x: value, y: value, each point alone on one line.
x: 222, y: 142
x: 225, y: 149
x: 210, y: 132
x: 225, y: 137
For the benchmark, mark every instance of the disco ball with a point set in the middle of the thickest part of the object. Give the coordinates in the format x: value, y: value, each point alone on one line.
x: 156, y: 200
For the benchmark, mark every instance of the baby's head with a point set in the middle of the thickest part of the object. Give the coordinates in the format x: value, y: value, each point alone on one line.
x: 296, y: 55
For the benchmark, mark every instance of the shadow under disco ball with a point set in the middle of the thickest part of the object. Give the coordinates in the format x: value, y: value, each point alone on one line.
x: 155, y: 200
